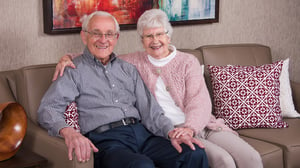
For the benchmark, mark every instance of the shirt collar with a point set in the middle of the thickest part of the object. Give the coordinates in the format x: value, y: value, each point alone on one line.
x: 93, y: 59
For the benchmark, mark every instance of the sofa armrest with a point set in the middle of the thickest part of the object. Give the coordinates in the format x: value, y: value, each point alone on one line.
x: 52, y: 148
x: 296, y: 94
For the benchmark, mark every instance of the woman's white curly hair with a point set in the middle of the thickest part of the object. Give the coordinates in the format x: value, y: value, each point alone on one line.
x: 154, y: 18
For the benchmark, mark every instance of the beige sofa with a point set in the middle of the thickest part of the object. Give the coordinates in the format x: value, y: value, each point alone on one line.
x: 279, y: 148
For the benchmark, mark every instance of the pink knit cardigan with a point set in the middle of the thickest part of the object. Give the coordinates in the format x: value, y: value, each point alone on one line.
x: 185, y: 82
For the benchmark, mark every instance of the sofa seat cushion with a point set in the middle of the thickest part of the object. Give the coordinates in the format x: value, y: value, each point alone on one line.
x: 271, y: 154
x: 287, y: 138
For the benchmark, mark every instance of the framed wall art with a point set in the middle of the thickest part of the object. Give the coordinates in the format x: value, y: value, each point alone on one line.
x: 63, y: 16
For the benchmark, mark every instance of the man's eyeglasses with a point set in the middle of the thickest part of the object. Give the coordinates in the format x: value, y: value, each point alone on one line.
x: 157, y: 36
x: 97, y: 35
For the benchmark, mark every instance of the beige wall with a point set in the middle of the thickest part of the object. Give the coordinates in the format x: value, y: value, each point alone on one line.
x: 275, y: 23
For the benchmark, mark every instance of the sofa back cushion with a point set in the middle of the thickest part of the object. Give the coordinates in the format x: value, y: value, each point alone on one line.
x: 7, y: 86
x: 33, y: 82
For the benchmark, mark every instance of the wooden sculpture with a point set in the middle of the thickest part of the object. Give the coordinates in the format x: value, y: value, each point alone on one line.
x: 13, y: 125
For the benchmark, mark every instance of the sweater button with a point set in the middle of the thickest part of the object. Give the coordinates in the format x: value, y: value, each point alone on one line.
x: 158, y: 71
x: 167, y: 88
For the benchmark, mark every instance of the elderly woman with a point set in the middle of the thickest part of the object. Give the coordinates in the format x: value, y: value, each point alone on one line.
x: 175, y: 79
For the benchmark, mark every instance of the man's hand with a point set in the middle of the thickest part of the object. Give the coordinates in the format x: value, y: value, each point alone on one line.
x: 79, y: 143
x: 61, y: 65
x: 186, y: 139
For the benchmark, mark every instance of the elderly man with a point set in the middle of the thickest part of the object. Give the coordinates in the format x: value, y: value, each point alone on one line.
x: 119, y: 118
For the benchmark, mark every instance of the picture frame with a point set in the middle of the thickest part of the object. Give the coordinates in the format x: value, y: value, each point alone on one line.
x: 63, y: 16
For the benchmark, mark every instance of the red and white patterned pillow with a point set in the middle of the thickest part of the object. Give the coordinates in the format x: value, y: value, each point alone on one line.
x: 71, y: 116
x: 247, y: 96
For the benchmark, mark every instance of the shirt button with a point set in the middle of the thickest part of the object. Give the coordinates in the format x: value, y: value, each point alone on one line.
x: 106, y: 72
x: 113, y: 85
x: 117, y: 101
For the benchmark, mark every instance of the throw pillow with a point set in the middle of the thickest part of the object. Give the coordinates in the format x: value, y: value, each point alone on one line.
x: 286, y: 99
x: 71, y: 116
x: 247, y: 96
x: 202, y: 68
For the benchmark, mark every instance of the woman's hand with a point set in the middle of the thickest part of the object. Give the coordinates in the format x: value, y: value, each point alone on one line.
x: 181, y: 131
x: 184, y: 139
x: 62, y: 64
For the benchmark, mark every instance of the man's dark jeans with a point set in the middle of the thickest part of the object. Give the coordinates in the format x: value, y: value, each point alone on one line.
x: 133, y: 146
